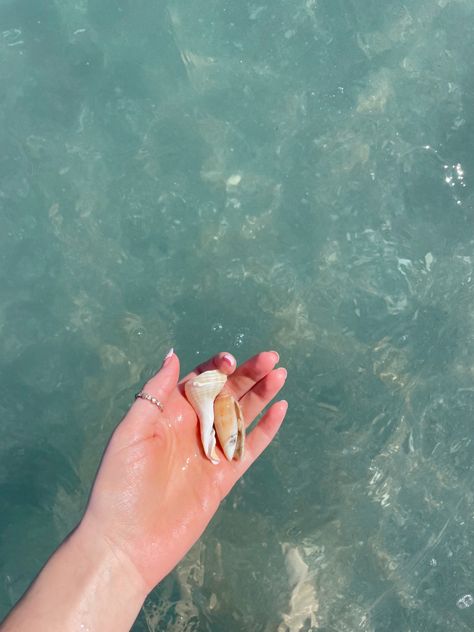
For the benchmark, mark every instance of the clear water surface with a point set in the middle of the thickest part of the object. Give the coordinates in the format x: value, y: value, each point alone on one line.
x: 244, y: 175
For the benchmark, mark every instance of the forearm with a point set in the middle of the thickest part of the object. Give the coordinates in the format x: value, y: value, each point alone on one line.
x: 85, y: 587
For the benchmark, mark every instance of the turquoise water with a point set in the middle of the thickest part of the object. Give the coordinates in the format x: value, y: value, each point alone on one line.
x: 241, y: 176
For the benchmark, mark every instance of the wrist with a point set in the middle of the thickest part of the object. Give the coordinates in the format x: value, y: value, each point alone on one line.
x: 105, y: 564
x: 76, y: 586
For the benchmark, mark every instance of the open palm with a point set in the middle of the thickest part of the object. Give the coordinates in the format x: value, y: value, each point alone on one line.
x: 155, y: 490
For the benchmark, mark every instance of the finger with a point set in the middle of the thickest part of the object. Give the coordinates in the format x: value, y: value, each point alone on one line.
x: 256, y: 442
x: 224, y: 362
x: 261, y: 394
x: 250, y: 372
x: 159, y: 386
x: 264, y: 432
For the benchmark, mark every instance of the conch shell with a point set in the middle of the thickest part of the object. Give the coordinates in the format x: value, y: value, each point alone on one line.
x: 229, y: 425
x: 201, y: 392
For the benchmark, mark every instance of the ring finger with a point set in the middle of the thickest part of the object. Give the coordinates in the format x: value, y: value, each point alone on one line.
x: 261, y: 394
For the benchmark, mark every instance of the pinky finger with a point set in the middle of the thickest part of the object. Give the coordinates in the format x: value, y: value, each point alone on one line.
x: 255, y: 443
x: 263, y: 433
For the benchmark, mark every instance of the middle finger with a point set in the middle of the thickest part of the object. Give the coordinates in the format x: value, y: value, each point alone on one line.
x: 249, y: 373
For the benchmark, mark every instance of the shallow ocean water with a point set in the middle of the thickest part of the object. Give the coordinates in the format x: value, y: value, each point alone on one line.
x: 242, y: 176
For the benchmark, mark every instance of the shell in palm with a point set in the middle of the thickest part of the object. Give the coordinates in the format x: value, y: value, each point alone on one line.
x: 201, y: 391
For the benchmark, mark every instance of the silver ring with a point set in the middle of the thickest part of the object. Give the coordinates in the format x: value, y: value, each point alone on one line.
x: 150, y: 398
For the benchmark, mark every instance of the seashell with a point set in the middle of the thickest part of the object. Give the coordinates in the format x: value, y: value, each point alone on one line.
x: 229, y: 425
x: 201, y: 392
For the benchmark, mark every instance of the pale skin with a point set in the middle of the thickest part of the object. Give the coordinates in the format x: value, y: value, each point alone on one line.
x: 153, y: 496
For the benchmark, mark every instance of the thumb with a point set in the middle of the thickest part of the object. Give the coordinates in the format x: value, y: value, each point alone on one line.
x: 144, y: 414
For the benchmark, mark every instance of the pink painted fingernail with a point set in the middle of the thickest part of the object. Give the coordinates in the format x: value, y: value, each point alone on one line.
x: 168, y: 357
x: 229, y: 359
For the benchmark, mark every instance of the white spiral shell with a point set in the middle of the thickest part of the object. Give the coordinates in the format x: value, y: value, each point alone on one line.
x: 201, y: 391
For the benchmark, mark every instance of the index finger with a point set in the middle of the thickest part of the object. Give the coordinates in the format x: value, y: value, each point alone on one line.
x: 223, y: 362
x: 243, y: 378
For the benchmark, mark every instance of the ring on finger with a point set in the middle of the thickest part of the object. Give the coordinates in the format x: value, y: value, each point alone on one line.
x: 150, y: 398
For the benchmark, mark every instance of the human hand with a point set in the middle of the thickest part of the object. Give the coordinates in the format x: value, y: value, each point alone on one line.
x: 155, y: 491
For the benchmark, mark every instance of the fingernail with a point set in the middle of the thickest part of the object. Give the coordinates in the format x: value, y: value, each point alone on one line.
x: 276, y: 354
x: 168, y: 357
x: 229, y: 359
x: 283, y: 372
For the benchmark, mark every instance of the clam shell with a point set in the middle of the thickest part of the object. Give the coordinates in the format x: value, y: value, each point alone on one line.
x: 229, y: 425
x: 201, y: 392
